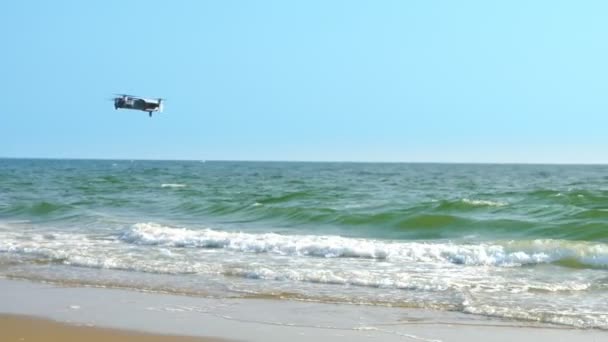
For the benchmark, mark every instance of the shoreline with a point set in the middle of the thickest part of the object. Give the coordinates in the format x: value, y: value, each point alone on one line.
x: 175, y: 317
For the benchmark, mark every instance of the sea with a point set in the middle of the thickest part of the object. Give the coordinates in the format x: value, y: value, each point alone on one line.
x: 524, y: 243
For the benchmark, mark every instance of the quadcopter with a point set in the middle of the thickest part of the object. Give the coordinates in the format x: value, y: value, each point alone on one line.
x: 125, y: 101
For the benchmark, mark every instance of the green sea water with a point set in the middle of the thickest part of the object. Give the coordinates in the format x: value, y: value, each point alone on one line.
x: 523, y: 242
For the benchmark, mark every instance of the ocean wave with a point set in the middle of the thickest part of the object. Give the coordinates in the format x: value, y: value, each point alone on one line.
x: 399, y: 273
x: 484, y: 203
x: 508, y: 254
x: 285, y: 197
x: 36, y: 208
x: 477, y: 278
x: 172, y: 185
x: 574, y: 319
x: 429, y: 220
x: 571, y: 196
x: 64, y: 246
x: 83, y: 251
x: 404, y: 280
x: 468, y: 204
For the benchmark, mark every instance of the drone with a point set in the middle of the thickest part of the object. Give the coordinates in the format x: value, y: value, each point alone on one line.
x: 125, y: 101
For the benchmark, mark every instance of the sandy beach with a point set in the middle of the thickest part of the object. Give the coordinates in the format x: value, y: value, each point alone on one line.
x: 92, y: 314
x: 26, y: 328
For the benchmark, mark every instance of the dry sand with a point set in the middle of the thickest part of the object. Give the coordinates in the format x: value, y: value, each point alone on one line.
x: 15, y: 328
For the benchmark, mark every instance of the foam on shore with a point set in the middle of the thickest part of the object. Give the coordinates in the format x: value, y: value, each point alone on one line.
x: 263, y: 320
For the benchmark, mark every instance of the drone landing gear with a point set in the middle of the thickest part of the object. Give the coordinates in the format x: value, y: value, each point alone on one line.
x: 150, y: 114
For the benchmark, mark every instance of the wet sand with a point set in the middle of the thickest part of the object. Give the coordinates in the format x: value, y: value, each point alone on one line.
x: 126, y: 315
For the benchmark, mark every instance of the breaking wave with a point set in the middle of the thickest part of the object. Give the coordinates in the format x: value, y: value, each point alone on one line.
x: 507, y: 254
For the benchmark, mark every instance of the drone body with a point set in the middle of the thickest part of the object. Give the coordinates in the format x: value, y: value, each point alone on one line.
x: 124, y: 101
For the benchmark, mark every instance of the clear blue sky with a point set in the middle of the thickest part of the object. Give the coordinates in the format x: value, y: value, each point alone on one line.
x: 455, y: 81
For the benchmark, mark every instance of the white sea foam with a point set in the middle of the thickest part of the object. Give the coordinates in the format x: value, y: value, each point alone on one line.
x: 80, y: 249
x: 172, y: 185
x: 507, y: 254
x: 577, y: 319
x: 402, y: 274
x: 484, y: 203
x: 386, y: 271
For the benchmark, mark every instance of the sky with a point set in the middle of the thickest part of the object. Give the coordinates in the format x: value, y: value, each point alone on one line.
x: 410, y: 81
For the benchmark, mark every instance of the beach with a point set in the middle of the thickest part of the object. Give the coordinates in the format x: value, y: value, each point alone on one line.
x: 24, y: 328
x: 254, y: 251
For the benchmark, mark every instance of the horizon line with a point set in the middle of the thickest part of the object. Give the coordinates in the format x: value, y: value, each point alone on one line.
x: 314, y: 161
